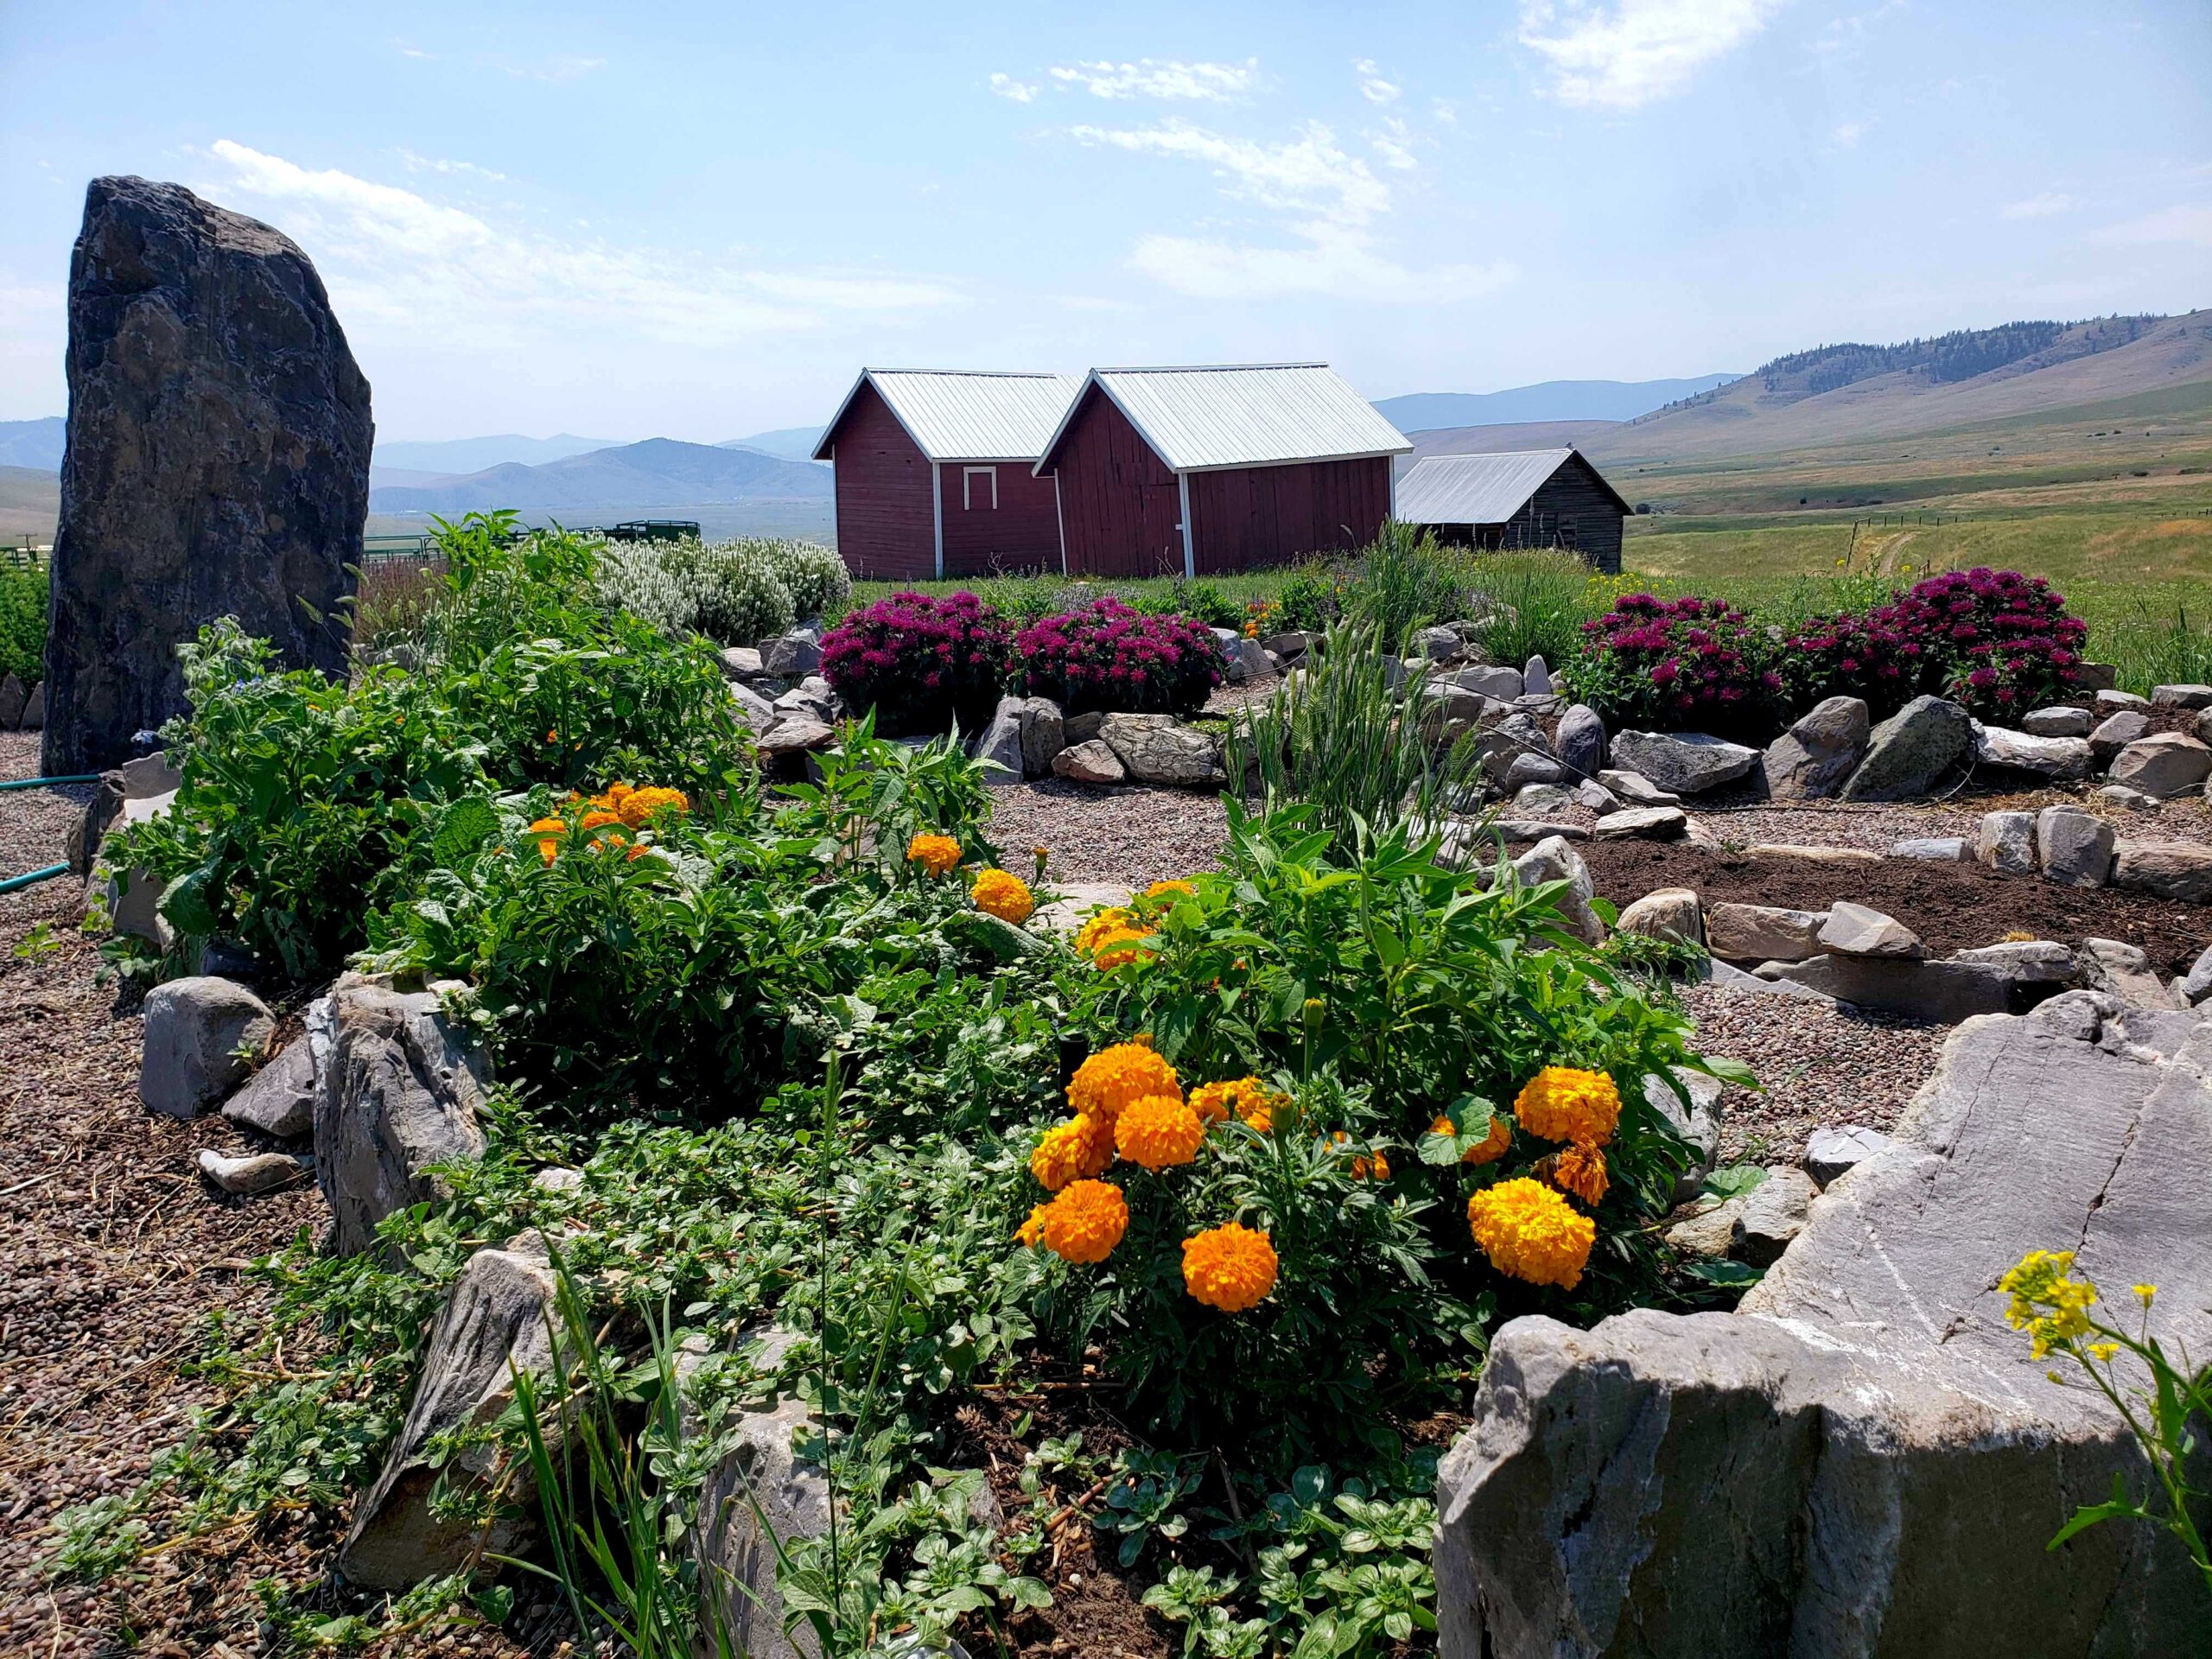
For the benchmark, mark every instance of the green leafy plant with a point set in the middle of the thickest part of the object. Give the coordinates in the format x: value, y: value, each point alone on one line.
x: 1407, y: 580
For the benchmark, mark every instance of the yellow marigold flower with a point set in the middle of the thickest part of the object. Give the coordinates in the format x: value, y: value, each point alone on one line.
x: 1085, y: 1222
x: 1563, y: 1104
x: 551, y: 830
x: 1580, y: 1170
x: 1158, y: 1130
x: 1530, y: 1232
x: 1492, y: 1147
x: 1097, y: 926
x: 1177, y: 888
x: 1213, y: 1101
x: 600, y: 820
x: 1032, y: 1229
x: 638, y: 807
x: 1078, y: 1149
x: 935, y: 854
x: 999, y: 893
x: 1230, y: 1267
x: 1117, y: 948
x: 1109, y: 1080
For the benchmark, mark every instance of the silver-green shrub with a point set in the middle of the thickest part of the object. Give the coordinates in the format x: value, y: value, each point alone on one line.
x: 813, y: 575
x: 729, y: 592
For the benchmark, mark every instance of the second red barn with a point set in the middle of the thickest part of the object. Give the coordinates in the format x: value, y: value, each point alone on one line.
x: 1206, y: 470
x: 934, y: 472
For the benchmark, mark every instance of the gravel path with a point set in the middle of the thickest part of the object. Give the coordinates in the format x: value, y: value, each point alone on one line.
x: 1132, y: 835
x: 1815, y: 1066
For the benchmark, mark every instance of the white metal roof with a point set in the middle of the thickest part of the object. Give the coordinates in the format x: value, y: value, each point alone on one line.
x: 1243, y: 415
x: 1473, y: 489
x: 964, y: 414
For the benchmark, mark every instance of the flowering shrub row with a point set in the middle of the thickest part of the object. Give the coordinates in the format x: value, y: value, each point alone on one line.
x: 1995, y: 641
x: 924, y: 662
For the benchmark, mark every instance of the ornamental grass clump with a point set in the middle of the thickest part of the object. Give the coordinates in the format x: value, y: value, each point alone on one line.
x: 1106, y: 658
x: 922, y: 664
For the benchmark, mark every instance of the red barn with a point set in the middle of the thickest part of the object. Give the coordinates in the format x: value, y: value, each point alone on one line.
x: 936, y: 472
x: 1206, y: 470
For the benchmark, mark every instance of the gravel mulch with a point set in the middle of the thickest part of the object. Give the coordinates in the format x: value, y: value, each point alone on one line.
x: 113, y: 1255
x: 1096, y: 833
x: 1816, y: 1066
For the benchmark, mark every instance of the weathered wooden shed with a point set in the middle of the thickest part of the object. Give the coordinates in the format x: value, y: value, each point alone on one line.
x: 1204, y: 470
x: 1527, y: 497
x: 936, y: 472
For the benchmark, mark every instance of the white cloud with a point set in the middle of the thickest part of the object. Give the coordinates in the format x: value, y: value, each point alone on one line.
x: 415, y: 52
x: 2189, y: 225
x: 438, y: 164
x: 1310, y: 174
x: 1331, y: 259
x: 1635, y: 51
x: 558, y: 70
x: 1219, y: 83
x: 1846, y: 136
x: 1372, y: 85
x: 403, y: 262
x: 2042, y: 206
x: 1847, y: 35
x: 1021, y: 92
x: 1394, y: 144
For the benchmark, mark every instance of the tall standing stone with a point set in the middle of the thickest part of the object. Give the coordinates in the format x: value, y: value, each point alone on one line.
x: 218, y: 462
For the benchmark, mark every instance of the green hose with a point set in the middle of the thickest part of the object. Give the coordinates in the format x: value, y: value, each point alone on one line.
x: 13, y: 882
x: 46, y: 782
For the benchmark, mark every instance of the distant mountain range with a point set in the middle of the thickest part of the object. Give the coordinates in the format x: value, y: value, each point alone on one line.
x: 33, y: 444
x: 1549, y: 400
x: 450, y: 457
x: 792, y: 443
x: 660, y: 472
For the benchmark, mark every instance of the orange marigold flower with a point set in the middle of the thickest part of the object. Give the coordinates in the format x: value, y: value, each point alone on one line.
x: 638, y: 807
x: 1177, y: 888
x: 1371, y: 1167
x: 600, y: 820
x: 1492, y: 1146
x: 1116, y: 920
x: 935, y: 854
x: 1231, y: 1267
x: 1157, y: 1131
x: 550, y: 831
x: 1580, y: 1170
x: 1530, y: 1231
x: 1563, y: 1104
x: 1106, y: 1082
x: 1245, y: 1097
x: 1085, y: 1222
x: 1079, y: 1148
x: 1214, y: 1102
x: 1032, y: 1229
x: 1117, y: 948
x: 1005, y: 895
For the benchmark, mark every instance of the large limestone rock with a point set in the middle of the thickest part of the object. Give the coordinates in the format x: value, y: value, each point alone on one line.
x: 218, y: 462
x: 2075, y: 847
x: 1553, y: 860
x: 2116, y: 732
x: 195, y: 1030
x: 999, y: 746
x: 2164, y: 764
x: 1669, y: 913
x: 1763, y: 932
x: 1043, y: 735
x: 1685, y: 763
x: 495, y: 1322
x: 1579, y: 741
x: 1863, y: 1460
x: 1816, y: 756
x: 1910, y: 750
x: 2051, y: 756
x: 397, y: 1091
x: 2165, y: 869
x: 2006, y: 842
x: 1160, y: 749
x: 278, y: 1100
x: 1944, y: 991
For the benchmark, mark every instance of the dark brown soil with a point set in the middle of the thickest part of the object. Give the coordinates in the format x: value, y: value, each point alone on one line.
x: 1951, y: 907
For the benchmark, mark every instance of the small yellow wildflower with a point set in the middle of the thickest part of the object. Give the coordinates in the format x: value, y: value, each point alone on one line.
x: 2144, y: 1293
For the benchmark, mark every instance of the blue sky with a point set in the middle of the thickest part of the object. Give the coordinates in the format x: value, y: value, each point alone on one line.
x: 698, y: 220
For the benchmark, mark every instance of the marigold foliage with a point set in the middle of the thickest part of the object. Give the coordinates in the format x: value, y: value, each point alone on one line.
x: 935, y: 854
x: 1085, y: 1222
x: 1078, y: 1149
x: 1563, y: 1104
x: 1491, y: 1147
x: 549, y: 832
x: 1000, y: 894
x: 1231, y: 1267
x: 1157, y: 1131
x: 1111, y: 1079
x: 1580, y: 1170
x: 1529, y: 1232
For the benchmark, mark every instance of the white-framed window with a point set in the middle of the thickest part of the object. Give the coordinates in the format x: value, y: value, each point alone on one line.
x: 979, y: 489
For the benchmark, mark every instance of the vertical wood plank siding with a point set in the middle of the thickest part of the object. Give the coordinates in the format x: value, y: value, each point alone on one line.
x: 1573, y: 492
x: 1119, y: 504
x: 1022, y: 533
x: 886, y: 530
x: 1248, y: 517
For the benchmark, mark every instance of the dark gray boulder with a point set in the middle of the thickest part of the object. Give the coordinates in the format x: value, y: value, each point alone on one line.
x: 1817, y: 755
x: 1864, y: 1459
x: 1908, y: 753
x: 1580, y: 741
x: 218, y: 462
x: 397, y: 1088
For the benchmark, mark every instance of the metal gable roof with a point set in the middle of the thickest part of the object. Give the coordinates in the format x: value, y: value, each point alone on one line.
x: 1477, y: 489
x: 963, y: 413
x: 1243, y: 415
